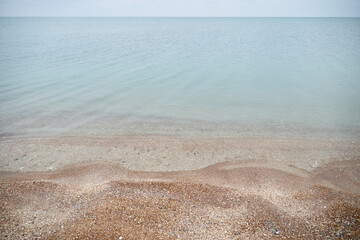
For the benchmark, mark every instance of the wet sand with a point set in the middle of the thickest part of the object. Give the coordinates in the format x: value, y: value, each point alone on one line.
x: 193, y: 188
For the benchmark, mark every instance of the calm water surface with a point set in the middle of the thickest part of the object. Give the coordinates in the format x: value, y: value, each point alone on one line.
x: 225, y: 76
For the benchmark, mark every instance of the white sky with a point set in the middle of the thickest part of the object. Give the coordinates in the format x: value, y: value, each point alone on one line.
x: 185, y: 8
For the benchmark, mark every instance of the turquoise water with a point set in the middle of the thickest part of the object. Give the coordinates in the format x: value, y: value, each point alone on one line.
x: 229, y: 76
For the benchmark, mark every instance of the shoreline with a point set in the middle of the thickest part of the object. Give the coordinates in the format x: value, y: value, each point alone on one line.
x: 228, y: 188
x: 168, y: 153
x: 132, y: 125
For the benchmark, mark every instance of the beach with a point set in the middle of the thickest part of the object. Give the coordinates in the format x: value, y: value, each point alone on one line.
x: 166, y: 187
x: 179, y: 128
x: 169, y: 153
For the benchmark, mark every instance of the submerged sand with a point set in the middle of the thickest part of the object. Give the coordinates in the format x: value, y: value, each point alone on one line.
x: 193, y: 188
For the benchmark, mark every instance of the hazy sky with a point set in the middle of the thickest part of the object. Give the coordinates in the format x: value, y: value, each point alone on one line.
x: 241, y: 8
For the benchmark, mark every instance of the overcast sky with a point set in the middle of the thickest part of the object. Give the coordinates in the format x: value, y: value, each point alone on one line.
x: 163, y: 8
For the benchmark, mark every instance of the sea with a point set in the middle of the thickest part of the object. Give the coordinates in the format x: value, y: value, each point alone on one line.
x: 243, y: 77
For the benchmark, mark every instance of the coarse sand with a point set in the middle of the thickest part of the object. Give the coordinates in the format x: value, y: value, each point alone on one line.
x: 159, y: 187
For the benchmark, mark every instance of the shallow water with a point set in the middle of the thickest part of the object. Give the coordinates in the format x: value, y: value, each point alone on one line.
x: 215, y: 76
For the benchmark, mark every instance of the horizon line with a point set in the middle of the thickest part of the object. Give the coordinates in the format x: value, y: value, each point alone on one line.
x: 186, y: 16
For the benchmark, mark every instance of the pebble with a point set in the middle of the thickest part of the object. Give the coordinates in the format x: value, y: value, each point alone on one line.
x: 211, y: 205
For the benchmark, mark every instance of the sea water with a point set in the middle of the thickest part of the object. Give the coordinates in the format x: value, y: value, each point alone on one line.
x: 215, y: 76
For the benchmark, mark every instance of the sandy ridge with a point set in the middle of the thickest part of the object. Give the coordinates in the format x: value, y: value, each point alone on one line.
x: 244, y: 198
